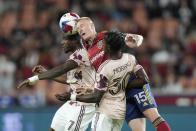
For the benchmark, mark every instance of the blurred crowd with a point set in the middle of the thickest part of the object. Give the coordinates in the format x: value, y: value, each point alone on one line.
x: 30, y: 35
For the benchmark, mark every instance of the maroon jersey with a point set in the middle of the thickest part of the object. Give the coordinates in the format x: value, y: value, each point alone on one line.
x: 96, y: 51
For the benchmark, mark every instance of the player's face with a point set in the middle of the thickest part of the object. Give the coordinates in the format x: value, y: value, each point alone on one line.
x: 86, y: 29
x: 67, y: 46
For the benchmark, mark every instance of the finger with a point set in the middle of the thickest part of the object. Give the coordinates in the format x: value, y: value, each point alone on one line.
x: 18, y: 87
x: 21, y: 85
x: 81, y: 93
x: 38, y: 70
x: 35, y: 68
x: 24, y: 83
x: 38, y: 67
x: 79, y: 90
x: 58, y: 96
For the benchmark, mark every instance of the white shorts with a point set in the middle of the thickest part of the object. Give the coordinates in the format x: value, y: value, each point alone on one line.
x: 102, y: 122
x: 72, y: 117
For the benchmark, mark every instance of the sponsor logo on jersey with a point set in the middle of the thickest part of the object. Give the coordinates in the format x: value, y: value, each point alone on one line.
x: 99, y: 44
x: 97, y: 56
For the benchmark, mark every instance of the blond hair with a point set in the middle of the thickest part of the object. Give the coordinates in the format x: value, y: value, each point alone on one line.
x: 85, y: 18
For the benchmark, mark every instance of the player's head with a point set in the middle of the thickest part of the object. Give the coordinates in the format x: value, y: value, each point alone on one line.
x: 86, y: 28
x: 113, y: 42
x: 70, y: 43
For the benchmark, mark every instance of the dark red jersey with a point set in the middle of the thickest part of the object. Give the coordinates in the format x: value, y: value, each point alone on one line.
x: 96, y: 51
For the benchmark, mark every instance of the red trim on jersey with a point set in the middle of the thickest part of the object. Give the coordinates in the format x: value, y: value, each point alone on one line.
x: 96, y: 51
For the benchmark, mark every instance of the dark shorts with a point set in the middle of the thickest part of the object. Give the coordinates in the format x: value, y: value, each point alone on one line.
x: 137, y: 101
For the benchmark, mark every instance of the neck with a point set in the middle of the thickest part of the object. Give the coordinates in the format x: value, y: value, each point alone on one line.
x: 90, y: 41
x: 78, y: 46
x: 114, y: 55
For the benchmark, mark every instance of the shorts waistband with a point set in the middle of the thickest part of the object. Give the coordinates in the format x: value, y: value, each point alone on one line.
x: 77, y: 103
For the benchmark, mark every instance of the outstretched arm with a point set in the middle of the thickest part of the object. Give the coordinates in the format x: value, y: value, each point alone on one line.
x: 57, y: 71
x: 61, y: 79
x: 38, y: 69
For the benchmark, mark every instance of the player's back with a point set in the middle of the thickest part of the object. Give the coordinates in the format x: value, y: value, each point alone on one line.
x: 116, y: 72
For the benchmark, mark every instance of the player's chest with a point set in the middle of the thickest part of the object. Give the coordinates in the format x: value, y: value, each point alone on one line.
x: 96, y: 51
x: 75, y: 74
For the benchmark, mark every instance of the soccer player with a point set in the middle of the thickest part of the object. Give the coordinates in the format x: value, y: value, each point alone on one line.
x: 94, y: 45
x: 73, y: 115
x: 112, y: 78
x: 93, y: 41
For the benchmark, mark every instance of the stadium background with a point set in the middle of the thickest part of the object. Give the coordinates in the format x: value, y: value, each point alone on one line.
x: 29, y: 35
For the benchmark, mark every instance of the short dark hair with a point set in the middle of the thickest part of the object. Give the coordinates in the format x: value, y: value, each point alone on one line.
x: 115, y: 40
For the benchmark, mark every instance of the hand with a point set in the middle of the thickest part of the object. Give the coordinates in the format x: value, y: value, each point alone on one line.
x: 38, y: 69
x: 25, y: 83
x: 130, y: 41
x: 82, y: 91
x: 89, y: 90
x: 63, y: 97
x: 133, y: 40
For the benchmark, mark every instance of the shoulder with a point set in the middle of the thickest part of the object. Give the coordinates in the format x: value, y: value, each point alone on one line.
x: 103, y: 66
x: 101, y: 35
x: 80, y: 51
x: 129, y: 55
x: 104, y: 32
x: 79, y: 54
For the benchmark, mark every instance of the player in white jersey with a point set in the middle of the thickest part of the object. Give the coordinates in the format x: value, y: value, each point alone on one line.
x: 74, y: 115
x: 112, y: 78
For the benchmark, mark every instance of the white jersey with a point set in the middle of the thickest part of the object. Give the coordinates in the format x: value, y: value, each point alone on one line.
x: 75, y: 115
x: 112, y: 77
x: 84, y: 75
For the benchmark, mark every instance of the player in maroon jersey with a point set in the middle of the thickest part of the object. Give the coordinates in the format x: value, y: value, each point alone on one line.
x: 93, y: 42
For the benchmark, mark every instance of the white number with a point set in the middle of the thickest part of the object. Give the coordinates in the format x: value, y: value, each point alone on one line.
x: 72, y: 123
x: 141, y: 97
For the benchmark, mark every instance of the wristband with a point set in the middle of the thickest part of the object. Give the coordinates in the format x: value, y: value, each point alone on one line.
x: 73, y: 97
x: 33, y: 79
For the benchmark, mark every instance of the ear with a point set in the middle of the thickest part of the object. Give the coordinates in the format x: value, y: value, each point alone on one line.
x: 108, y: 48
x: 92, y: 26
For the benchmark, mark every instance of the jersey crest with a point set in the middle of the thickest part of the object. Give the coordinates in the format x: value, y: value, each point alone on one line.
x: 100, y: 44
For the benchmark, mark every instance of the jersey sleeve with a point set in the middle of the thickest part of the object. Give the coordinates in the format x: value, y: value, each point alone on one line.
x: 80, y: 56
x: 102, y: 80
